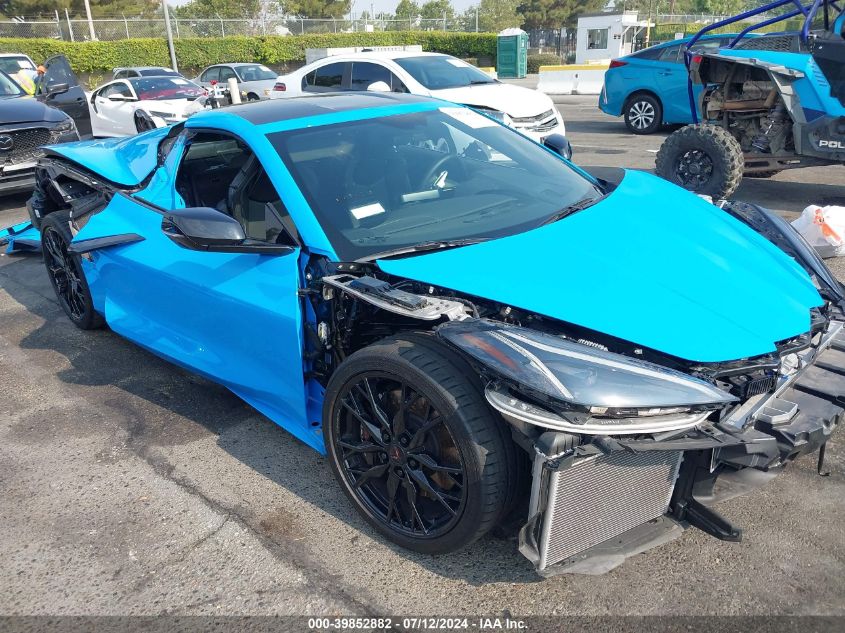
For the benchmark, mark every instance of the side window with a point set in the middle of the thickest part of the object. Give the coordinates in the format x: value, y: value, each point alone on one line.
x: 226, y: 73
x: 120, y: 74
x: 212, y: 74
x: 670, y: 54
x: 365, y: 74
x: 116, y: 89
x: 327, y: 78
x: 221, y: 172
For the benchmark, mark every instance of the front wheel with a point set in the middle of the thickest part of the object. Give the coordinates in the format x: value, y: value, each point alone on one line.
x: 703, y: 158
x: 65, y: 272
x: 414, y: 445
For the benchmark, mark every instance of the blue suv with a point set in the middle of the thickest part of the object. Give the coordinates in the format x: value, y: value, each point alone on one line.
x: 649, y: 87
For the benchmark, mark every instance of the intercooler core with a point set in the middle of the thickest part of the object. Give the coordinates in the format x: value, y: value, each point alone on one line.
x: 599, y: 498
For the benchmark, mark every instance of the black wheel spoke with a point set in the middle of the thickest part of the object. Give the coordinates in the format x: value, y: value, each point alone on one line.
x: 425, y: 483
x: 389, y: 436
x: 368, y: 474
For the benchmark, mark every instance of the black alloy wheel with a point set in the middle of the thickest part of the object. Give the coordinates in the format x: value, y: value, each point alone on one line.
x: 694, y: 169
x: 65, y: 272
x: 414, y: 445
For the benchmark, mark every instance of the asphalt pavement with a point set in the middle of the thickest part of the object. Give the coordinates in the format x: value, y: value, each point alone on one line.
x: 129, y: 486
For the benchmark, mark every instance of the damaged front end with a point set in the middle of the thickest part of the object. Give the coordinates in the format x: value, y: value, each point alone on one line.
x: 626, y: 453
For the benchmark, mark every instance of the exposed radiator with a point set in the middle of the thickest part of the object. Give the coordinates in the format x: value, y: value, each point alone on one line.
x: 599, y: 498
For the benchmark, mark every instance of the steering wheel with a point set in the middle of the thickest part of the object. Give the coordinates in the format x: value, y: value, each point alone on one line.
x: 435, y: 170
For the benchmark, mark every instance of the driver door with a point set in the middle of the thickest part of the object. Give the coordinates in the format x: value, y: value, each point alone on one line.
x: 113, y: 109
x: 50, y: 90
x: 235, y: 317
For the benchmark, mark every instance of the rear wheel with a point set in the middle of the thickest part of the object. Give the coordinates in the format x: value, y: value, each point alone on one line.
x: 65, y: 272
x: 414, y: 445
x: 703, y: 158
x: 643, y: 114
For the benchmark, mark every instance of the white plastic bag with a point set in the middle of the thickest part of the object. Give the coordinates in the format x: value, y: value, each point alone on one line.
x: 824, y: 229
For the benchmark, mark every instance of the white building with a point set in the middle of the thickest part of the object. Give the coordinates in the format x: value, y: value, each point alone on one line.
x: 606, y: 36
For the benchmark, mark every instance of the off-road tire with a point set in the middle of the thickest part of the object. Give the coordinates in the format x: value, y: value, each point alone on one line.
x: 56, y: 225
x: 638, y: 108
x: 482, y: 438
x: 719, y: 146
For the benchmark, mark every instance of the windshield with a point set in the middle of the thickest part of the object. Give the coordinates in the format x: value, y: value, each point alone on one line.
x: 157, y: 88
x: 437, y: 72
x: 449, y: 174
x: 12, y: 65
x: 255, y: 72
x: 8, y: 88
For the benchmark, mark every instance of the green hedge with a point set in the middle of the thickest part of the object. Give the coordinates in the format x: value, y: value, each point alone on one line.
x: 92, y: 57
x: 544, y: 59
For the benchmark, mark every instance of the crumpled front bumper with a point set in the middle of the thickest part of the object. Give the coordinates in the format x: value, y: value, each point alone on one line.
x: 594, y: 505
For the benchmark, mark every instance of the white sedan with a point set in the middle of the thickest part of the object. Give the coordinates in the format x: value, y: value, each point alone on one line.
x: 127, y: 106
x: 430, y: 74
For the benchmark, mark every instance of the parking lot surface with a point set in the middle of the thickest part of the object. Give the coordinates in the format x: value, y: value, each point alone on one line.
x: 129, y: 486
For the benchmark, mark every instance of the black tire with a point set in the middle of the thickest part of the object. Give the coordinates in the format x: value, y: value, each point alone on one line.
x: 465, y: 435
x: 643, y: 113
x: 65, y: 272
x: 703, y: 158
x: 143, y: 121
x: 253, y: 97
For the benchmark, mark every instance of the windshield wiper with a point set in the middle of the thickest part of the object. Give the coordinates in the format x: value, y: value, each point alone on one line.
x: 481, y: 82
x: 434, y: 245
x: 570, y: 209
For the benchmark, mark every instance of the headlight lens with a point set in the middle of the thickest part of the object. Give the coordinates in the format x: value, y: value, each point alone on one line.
x: 603, y: 388
x: 65, y: 126
x: 500, y: 116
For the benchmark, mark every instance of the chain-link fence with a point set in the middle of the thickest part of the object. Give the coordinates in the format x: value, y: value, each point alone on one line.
x: 125, y: 27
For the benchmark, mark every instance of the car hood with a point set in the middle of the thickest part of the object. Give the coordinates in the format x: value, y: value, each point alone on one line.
x: 514, y: 100
x: 27, y: 110
x: 651, y: 264
x: 122, y: 160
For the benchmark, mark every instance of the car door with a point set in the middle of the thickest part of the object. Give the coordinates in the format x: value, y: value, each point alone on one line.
x: 330, y: 77
x: 671, y: 82
x: 233, y: 317
x: 113, y: 110
x: 59, y: 88
x: 226, y: 73
x: 364, y: 75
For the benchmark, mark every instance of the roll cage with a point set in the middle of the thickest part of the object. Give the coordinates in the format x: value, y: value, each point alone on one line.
x: 809, y: 11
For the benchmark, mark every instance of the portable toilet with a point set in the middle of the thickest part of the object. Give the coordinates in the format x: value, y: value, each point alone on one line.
x: 512, y: 53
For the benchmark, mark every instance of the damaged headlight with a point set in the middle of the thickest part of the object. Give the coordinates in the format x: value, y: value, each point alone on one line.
x: 590, y: 390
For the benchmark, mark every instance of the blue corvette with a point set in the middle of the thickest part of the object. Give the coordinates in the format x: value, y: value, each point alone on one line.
x: 649, y: 88
x: 476, y: 332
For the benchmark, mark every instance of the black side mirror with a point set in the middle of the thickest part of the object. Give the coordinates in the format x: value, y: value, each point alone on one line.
x: 559, y: 144
x: 207, y: 229
x: 57, y: 89
x: 202, y: 228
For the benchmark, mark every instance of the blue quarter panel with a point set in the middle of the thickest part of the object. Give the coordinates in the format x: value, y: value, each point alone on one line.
x: 125, y: 161
x: 234, y: 318
x: 706, y: 288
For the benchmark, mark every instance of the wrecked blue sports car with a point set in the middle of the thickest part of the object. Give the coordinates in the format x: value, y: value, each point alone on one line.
x: 476, y: 332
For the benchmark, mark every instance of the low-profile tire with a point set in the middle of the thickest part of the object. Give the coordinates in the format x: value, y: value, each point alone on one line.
x: 432, y: 474
x: 702, y: 158
x: 143, y: 121
x: 253, y: 97
x: 65, y: 272
x: 643, y: 113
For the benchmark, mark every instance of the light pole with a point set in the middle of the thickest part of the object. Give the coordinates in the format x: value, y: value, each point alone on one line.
x: 169, y: 36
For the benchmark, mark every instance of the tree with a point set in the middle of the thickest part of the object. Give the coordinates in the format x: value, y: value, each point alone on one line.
x: 495, y: 15
x: 553, y: 14
x: 436, y: 9
x: 407, y: 9
x: 76, y: 8
x: 318, y: 8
